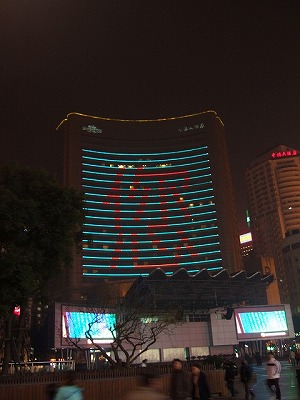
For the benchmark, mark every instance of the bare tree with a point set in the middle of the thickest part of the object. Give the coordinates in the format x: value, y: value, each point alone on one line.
x: 133, y: 329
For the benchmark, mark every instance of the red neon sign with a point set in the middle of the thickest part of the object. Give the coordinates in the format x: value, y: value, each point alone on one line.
x: 282, y: 154
x: 17, y: 311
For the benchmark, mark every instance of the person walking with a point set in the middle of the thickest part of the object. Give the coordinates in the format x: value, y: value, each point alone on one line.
x: 69, y: 390
x: 246, y: 374
x: 297, y: 357
x: 144, y: 363
x: 230, y: 373
x: 273, y: 374
x: 298, y: 375
x: 180, y: 387
x: 258, y: 359
x: 51, y: 390
x: 200, y: 387
x: 149, y: 389
x: 292, y: 358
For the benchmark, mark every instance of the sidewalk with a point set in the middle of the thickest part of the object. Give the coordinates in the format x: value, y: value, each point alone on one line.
x: 288, y: 385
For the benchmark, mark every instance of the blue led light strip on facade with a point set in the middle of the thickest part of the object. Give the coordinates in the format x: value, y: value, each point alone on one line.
x: 152, y: 218
x: 199, y: 230
x: 158, y: 209
x: 139, y: 174
x: 130, y: 168
x: 152, y: 203
x: 103, y: 241
x: 145, y: 249
x: 144, y: 155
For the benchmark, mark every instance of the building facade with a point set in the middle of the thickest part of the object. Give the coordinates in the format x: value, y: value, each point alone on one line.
x: 198, y: 334
x: 158, y: 194
x: 291, y: 262
x: 273, y: 184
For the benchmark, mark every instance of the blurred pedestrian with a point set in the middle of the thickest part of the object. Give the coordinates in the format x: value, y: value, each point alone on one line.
x: 273, y: 374
x: 297, y: 357
x: 180, y: 388
x: 51, y: 390
x: 231, y: 372
x: 148, y: 390
x: 292, y: 358
x: 69, y: 390
x: 144, y: 363
x: 246, y: 374
x: 258, y: 358
x: 298, y: 376
x: 200, y: 387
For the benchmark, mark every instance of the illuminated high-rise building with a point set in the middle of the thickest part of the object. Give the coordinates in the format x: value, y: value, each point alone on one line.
x: 158, y: 194
x: 273, y: 184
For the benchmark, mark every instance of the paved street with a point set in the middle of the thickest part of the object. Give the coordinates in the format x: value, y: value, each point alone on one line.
x: 288, y: 384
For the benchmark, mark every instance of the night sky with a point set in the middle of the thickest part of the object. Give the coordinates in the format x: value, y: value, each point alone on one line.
x: 150, y: 59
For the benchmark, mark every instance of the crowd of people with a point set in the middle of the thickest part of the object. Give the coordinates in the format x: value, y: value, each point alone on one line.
x: 191, y: 384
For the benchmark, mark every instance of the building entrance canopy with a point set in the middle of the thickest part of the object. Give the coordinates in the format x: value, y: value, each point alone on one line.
x: 202, y: 291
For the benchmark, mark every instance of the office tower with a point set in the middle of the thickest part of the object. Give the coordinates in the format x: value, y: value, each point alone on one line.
x: 273, y: 184
x: 158, y: 194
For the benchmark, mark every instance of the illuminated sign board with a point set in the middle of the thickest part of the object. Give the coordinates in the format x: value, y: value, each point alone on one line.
x: 282, y: 154
x: 91, y: 129
x: 74, y: 325
x: 245, y: 238
x: 261, y: 322
x: 17, y: 311
x: 191, y: 127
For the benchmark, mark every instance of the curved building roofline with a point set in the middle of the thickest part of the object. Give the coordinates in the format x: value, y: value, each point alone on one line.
x: 203, y: 290
x: 138, y: 120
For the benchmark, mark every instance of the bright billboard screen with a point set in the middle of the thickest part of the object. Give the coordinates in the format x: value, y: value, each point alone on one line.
x: 80, y: 322
x: 261, y: 322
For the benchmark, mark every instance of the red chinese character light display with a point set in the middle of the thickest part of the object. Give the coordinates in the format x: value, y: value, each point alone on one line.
x: 282, y: 154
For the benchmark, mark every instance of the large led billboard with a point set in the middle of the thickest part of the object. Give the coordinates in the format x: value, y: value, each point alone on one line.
x: 76, y: 324
x: 262, y: 322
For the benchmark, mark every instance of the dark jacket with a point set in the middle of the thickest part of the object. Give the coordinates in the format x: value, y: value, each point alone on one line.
x: 180, y: 385
x: 204, y: 390
x: 230, y: 370
x: 245, y: 372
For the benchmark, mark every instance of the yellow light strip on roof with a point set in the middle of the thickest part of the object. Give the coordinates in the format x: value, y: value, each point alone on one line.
x: 138, y: 120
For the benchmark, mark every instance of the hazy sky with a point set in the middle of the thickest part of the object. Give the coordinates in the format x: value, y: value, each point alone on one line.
x: 150, y: 59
